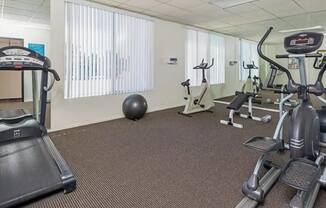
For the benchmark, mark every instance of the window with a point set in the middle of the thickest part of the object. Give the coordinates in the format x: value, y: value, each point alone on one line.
x: 203, y: 45
x: 249, y: 54
x: 106, y: 52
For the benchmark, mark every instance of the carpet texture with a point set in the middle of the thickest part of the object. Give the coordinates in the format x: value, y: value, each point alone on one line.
x: 164, y: 160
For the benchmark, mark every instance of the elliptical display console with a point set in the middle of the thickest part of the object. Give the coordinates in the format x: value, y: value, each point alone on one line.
x: 303, y: 43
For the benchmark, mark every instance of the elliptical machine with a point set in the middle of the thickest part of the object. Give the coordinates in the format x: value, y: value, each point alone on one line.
x: 202, y: 101
x: 305, y: 171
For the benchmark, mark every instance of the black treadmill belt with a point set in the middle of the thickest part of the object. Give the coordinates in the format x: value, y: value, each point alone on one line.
x: 14, y: 115
x: 26, y: 169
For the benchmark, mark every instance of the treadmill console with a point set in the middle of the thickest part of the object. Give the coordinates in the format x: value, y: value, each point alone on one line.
x: 303, y: 43
x: 20, y: 58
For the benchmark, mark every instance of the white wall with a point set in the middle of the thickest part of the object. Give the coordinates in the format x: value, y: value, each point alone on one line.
x: 232, y: 74
x: 169, y: 42
x: 31, y: 33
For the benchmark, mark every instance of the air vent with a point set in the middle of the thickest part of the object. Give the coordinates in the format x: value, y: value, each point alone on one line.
x: 224, y: 4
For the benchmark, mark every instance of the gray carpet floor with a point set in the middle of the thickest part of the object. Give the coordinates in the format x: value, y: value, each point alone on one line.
x: 164, y: 160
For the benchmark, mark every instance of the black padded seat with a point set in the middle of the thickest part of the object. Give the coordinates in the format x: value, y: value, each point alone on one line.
x: 238, y: 101
x: 186, y: 83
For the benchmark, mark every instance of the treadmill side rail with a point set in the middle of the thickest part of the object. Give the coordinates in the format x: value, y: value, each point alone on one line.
x: 66, y: 174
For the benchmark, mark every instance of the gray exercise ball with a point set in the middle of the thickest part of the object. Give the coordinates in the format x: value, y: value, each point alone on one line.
x: 134, y: 107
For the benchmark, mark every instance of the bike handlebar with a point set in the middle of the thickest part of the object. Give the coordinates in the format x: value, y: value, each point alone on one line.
x: 204, y: 65
x: 246, y: 67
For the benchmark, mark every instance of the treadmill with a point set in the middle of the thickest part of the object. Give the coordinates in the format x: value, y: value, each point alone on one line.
x: 30, y: 165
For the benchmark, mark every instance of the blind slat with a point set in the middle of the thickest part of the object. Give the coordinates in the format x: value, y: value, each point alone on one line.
x: 106, y: 52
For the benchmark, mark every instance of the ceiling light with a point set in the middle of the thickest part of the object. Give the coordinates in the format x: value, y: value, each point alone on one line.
x: 224, y: 4
x: 319, y: 28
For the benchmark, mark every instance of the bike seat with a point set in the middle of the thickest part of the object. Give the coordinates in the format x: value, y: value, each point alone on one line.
x: 186, y: 83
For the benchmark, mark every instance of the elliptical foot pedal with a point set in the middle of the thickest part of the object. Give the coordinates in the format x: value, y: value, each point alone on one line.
x: 264, y: 144
x: 301, y: 174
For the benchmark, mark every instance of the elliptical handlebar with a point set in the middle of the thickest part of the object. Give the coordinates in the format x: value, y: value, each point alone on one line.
x: 316, y: 89
x: 308, y: 55
x: 261, y: 54
x: 292, y: 86
x: 318, y: 64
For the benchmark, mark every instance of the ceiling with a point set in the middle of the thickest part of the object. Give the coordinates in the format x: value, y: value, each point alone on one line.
x: 246, y: 20
x: 33, y: 11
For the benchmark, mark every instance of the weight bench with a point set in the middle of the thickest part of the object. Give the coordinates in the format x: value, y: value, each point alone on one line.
x: 235, y: 106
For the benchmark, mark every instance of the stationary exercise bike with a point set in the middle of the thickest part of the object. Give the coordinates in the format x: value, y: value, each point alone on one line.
x: 249, y: 94
x: 305, y: 171
x: 252, y: 84
x: 202, y: 101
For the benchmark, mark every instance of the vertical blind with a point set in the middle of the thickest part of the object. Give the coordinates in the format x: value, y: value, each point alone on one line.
x: 106, y: 52
x: 249, y: 54
x: 203, y: 45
